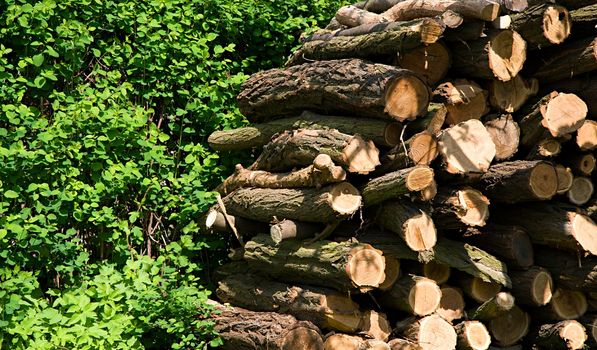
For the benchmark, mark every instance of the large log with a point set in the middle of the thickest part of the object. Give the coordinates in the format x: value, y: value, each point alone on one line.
x: 409, y: 9
x: 571, y: 59
x: 568, y: 270
x: 455, y: 208
x: 420, y: 149
x: 584, y: 86
x: 464, y: 100
x: 342, y: 266
x: 510, y: 328
x: 580, y: 191
x: 430, y: 332
x: 495, y: 307
x: 300, y: 148
x: 432, y: 61
x: 509, y: 243
x: 470, y: 154
x: 509, y: 96
x: 532, y: 287
x: 393, y: 40
x: 542, y: 25
x: 500, y: 55
x: 412, y: 294
x: 350, y: 85
x: 395, y: 184
x: 505, y: 134
x: 247, y: 330
x: 381, y: 132
x: 409, y: 221
x: 564, y: 335
x: 472, y: 335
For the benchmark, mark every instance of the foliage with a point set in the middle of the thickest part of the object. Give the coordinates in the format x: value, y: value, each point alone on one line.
x: 104, y: 170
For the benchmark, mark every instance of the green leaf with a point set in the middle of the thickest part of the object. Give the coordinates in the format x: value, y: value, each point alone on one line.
x: 11, y: 194
x: 190, y: 159
x: 38, y: 60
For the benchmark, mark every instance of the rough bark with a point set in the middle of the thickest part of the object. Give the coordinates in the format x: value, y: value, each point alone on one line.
x: 451, y: 305
x: 571, y: 59
x: 410, y: 222
x: 580, y: 191
x: 409, y: 9
x: 352, y: 16
x: 472, y: 335
x: 586, y: 136
x: 505, y: 134
x: 509, y: 96
x: 569, y: 270
x: 430, y: 332
x: 542, y: 25
x: 532, y: 287
x: 468, y: 31
x: 584, y: 20
x: 455, y: 208
x: 565, y: 335
x: 464, y: 100
x: 509, y: 243
x: 352, y: 86
x: 478, y: 289
x: 513, y: 5
x: 415, y: 295
x: 495, y: 307
x: 396, y: 184
x: 420, y: 149
x: 431, y: 61
x: 564, y: 305
x: 510, y: 328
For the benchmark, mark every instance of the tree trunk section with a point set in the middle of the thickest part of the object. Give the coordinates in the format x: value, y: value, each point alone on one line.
x: 477, y: 289
x: 464, y: 100
x: 565, y: 178
x: 430, y: 332
x: 580, y: 191
x: 432, y: 61
x: 542, y: 25
x: 459, y: 208
x: 392, y: 272
x: 420, y: 149
x: 350, y: 342
x: 547, y: 148
x: 472, y: 154
x: 292, y: 229
x: 565, y: 335
x: 581, y: 163
x: 403, y: 344
x: 533, y: 287
x: 396, y: 184
x: 410, y: 222
x: 586, y: 136
x: 352, y: 16
x: 510, y: 328
x: 468, y: 31
x: 495, y: 307
x: 410, y: 9
x: 375, y: 326
x: 505, y: 134
x: 215, y: 221
x: 472, y: 335
x: 509, y: 96
x: 415, y: 295
x: 568, y: 270
x: 451, y: 305
x: 571, y: 59
x: 565, y: 304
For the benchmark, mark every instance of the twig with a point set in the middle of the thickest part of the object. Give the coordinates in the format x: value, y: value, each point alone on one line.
x: 228, y: 220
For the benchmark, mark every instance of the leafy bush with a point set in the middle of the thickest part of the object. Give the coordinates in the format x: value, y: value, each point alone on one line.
x: 104, y: 170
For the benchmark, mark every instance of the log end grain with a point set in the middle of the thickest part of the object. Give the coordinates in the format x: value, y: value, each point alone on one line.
x: 435, y: 333
x: 474, y: 207
x: 342, y: 342
x: 542, y: 288
x: 584, y: 229
x: 510, y: 328
x: 392, y: 273
x: 563, y: 114
x: 505, y: 134
x: 366, y: 267
x: 424, y: 297
x: 302, y: 338
x: 420, y: 233
x: 423, y: 148
x: 586, y: 164
x: 407, y: 97
x: 431, y: 61
x: 473, y: 335
x: 391, y: 134
x: 586, y: 135
x: 565, y: 178
x: 419, y: 178
x: 507, y: 53
x: 481, y: 291
x: 467, y: 148
x: 580, y: 191
x: 451, y: 306
x: 376, y: 325
x: 556, y: 24
x: 573, y: 334
x: 344, y: 198
x: 543, y: 181
x: 361, y: 156
x: 568, y: 304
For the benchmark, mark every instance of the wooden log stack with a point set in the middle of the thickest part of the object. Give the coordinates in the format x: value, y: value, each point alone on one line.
x: 424, y: 180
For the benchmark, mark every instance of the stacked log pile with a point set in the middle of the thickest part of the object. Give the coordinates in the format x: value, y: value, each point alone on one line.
x: 425, y: 180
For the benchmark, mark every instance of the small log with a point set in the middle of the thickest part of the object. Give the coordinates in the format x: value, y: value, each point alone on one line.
x: 431, y: 61
x: 342, y: 266
x: 433, y: 270
x: 533, y: 287
x: 580, y: 163
x: 509, y: 329
x: 352, y: 16
x: 468, y: 31
x: 509, y: 243
x: 542, y: 25
x: 403, y: 344
x: 415, y: 295
x: 464, y: 100
x: 547, y: 148
x: 395, y: 184
x: 580, y: 191
x: 501, y: 54
x: 410, y: 9
x: 300, y: 148
x: 472, y: 153
x: 520, y: 181
x: 451, y: 305
x: 562, y: 335
x: 375, y: 325
x: 571, y: 59
x: 459, y: 208
x: 215, y: 220
x: 472, y: 335
x: 568, y: 270
x: 381, y: 132
x: 292, y: 229
x: 564, y: 305
x: 410, y: 222
x: 420, y: 149
x: 432, y: 122
x: 586, y: 136
x: 430, y: 332
x: 565, y: 178
x: 478, y: 289
x: 350, y: 85
x: 392, y: 272
x: 509, y: 96
x: 350, y: 342
x: 505, y: 135
x: 495, y: 307
x: 243, y: 329
x: 584, y: 86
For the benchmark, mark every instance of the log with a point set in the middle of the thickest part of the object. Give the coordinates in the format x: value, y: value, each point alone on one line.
x: 468, y: 31
x: 584, y: 86
x: 325, y: 308
x: 497, y: 306
x: 403, y: 344
x: 352, y: 16
x: 586, y: 136
x: 568, y: 270
x: 561, y: 226
x: 590, y: 323
x: 509, y: 243
x: 420, y: 149
x: 396, y: 184
x: 300, y: 148
x: 520, y: 181
x: 430, y: 332
x: 505, y: 134
x: 382, y: 133
x: 478, y: 289
x: 243, y: 329
x: 432, y: 122
x: 464, y: 100
x: 431, y: 61
x: 392, y: 273
x: 472, y: 335
x: 410, y: 9
x: 451, y: 305
x: 533, y: 287
x: 546, y: 148
x: 437, y: 272
x: 214, y: 220
x: 376, y: 326
x: 584, y: 19
x: 564, y: 305
x: 512, y: 5
x: 500, y: 55
x: 565, y: 178
x: 581, y: 163
x: 350, y: 85
x: 580, y: 191
x: 571, y: 59
x: 351, y: 342
x: 391, y: 41
x: 455, y: 208
x: 342, y: 266
x: 470, y: 154
x: 562, y: 335
x: 410, y: 222
x: 510, y: 328
x: 542, y: 25
x: 575, y: 4
x: 292, y: 229
x: 415, y: 295
x: 509, y: 96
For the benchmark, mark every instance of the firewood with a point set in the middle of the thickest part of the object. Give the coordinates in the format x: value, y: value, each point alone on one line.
x: 580, y: 191
x: 379, y: 6
x: 433, y: 270
x: 300, y: 148
x: 392, y: 273
x: 464, y: 100
x: 568, y: 270
x: 545, y: 149
x: 403, y: 344
x: 352, y: 86
x: 342, y: 266
x: 478, y: 289
x: 432, y: 122
x: 451, y: 305
x: 571, y: 59
x: 510, y: 328
x: 564, y: 305
x: 562, y: 335
x: 510, y: 243
x: 565, y: 178
x: 501, y: 54
x: 430, y: 332
x: 580, y: 163
x: 584, y: 19
x: 415, y: 295
x: 420, y: 149
x: 505, y: 135
x: 395, y: 184
x: 533, y: 287
x: 214, y: 220
x: 460, y: 207
x: 468, y: 31
x: 589, y: 321
x: 542, y: 25
x: 584, y: 86
x: 497, y: 306
x: 409, y: 9
x: 472, y: 335
x: 375, y: 325
x: 382, y: 133
x: 243, y: 329
x: 292, y: 229
x: 431, y: 61
x: 472, y: 153
x: 575, y: 4
x: 586, y: 135
x: 509, y: 96
x: 409, y: 221
x: 350, y: 342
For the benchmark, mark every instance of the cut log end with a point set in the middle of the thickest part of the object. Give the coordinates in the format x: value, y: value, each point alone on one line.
x: 584, y: 231
x: 361, y: 156
x: 420, y: 233
x: 564, y: 113
x: 424, y: 298
x: 473, y: 335
x: 406, y: 98
x: 435, y: 333
x: 419, y: 178
x: 431, y: 61
x: 366, y: 268
x: 475, y: 207
x: 565, y: 178
x: 504, y: 300
x: 482, y: 291
x: 376, y: 326
x: 549, y: 148
x: 490, y: 11
x: 344, y: 198
x: 586, y: 136
x: 508, y: 329
x: 392, y: 273
x: 403, y: 344
x: 211, y: 218
x: 507, y: 53
x: 542, y: 288
x: 467, y: 148
x: 451, y: 306
x: 568, y: 304
x: 505, y: 134
x: 580, y: 191
x: 556, y: 24
x: 342, y: 341
x: 543, y: 181
x: 586, y: 164
x: 573, y: 334
x: 302, y: 338
x: 423, y: 149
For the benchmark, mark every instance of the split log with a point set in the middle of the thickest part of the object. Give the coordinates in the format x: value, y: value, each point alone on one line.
x: 565, y: 178
x: 586, y: 136
x: 451, y: 305
x: 581, y: 163
x: 501, y: 54
x: 403, y: 344
x: 520, y: 181
x: 215, y: 220
x: 510, y: 328
x: 430, y: 332
x: 505, y: 135
x: 572, y: 59
x: 432, y: 122
x: 564, y: 305
x: 415, y: 295
x: 459, y: 208
x: 300, y: 148
x: 342, y: 266
x: 431, y: 61
x: 351, y: 342
x: 437, y: 272
x: 382, y: 133
x: 542, y: 25
x: 584, y: 86
x: 568, y: 270
x: 349, y: 85
x: 580, y: 191
x: 410, y: 9
x: 509, y: 96
x: 464, y: 100
x: 391, y: 41
x: 410, y: 222
x: 466, y: 154
x: 495, y: 307
x: 420, y: 149
x: 510, y: 243
x: 562, y: 335
x: 472, y: 335
x: 395, y: 184
x: 325, y: 308
x: 292, y: 229
x: 243, y: 329
x: 533, y: 287
x: 478, y: 289
x: 561, y: 226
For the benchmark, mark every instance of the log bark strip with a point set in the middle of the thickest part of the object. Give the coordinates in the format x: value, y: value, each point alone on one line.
x: 430, y: 332
x: 509, y: 243
x: 562, y: 335
x: 415, y: 295
x: 542, y: 25
x: 349, y: 85
x: 509, y: 96
x: 397, y: 183
x: 532, y: 287
x: 505, y: 135
x: 572, y: 59
x: 472, y: 154
x: 472, y: 335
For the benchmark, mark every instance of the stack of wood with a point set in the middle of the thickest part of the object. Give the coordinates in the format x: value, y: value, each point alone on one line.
x: 425, y: 181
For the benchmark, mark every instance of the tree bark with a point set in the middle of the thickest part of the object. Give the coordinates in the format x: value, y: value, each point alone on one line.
x: 584, y: 20
x: 509, y: 96
x: 464, y: 100
x: 455, y: 208
x: 468, y: 31
x: 410, y: 9
x: 431, y: 61
x: 495, y: 307
x: 415, y: 295
x: 396, y: 184
x: 571, y: 60
x: 505, y: 134
x: 568, y: 270
x: 542, y: 25
x: 581, y: 163
x: 533, y: 287
x: 510, y: 328
x: 472, y: 335
x: 352, y: 16
x: 565, y: 335
x: 350, y: 85
x: 214, y: 220
x: 420, y: 149
x: 451, y: 305
x: 513, y: 5
x: 430, y: 332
